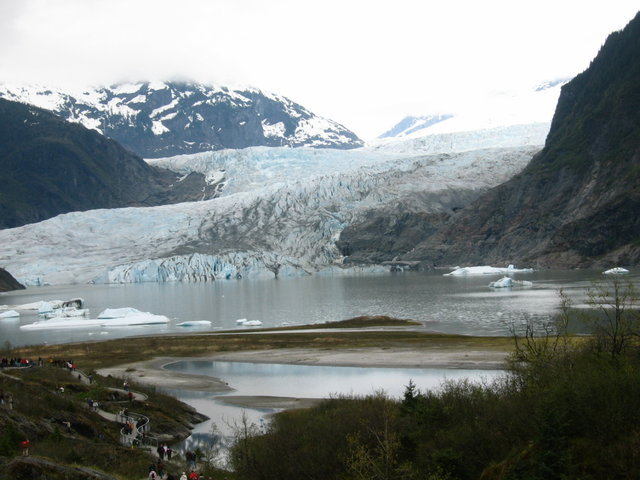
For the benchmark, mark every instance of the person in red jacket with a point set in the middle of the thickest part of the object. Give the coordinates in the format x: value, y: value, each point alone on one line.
x: 25, y: 447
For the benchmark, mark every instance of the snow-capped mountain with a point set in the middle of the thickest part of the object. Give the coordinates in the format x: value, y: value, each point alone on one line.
x: 533, y: 105
x: 279, y: 213
x: 157, y: 119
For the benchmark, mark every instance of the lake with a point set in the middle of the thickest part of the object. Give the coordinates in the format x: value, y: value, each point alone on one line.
x: 296, y: 381
x: 464, y: 305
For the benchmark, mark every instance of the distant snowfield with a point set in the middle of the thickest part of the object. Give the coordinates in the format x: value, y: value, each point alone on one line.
x: 281, y: 211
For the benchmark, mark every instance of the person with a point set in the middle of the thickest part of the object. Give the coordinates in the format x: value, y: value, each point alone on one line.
x: 193, y: 475
x: 25, y: 447
x: 160, y: 451
x: 153, y: 475
x: 183, y: 476
x: 191, y: 458
x: 160, y: 468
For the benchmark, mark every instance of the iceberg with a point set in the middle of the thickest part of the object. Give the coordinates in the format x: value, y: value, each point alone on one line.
x: 194, y: 323
x: 487, y: 270
x: 9, y: 314
x: 62, y: 322
x: 249, y: 323
x: 117, y: 312
x: 135, y: 318
x: 125, y: 317
x: 616, y: 271
x: 504, y: 282
x: 67, y: 312
x: 48, y: 307
x: 508, y: 282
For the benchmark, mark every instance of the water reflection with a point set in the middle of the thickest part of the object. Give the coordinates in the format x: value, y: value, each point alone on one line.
x: 443, y: 304
x: 297, y: 381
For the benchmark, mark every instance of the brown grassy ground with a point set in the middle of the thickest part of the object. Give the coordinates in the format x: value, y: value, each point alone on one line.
x: 387, y: 334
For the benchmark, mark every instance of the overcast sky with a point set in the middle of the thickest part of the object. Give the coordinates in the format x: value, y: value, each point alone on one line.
x: 365, y: 64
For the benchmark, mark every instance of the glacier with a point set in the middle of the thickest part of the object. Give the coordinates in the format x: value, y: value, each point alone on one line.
x: 279, y: 213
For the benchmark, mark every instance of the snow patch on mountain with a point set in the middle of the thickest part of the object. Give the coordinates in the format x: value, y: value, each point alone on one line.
x: 194, y: 117
x: 534, y: 105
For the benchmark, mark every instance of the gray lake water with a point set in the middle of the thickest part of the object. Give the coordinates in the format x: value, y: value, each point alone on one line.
x: 464, y: 305
x: 296, y: 381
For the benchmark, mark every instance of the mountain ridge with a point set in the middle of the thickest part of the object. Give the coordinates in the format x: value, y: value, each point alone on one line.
x: 160, y: 119
x: 50, y: 166
x: 576, y: 204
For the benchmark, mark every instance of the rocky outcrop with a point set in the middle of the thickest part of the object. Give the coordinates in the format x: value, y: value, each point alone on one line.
x: 8, y: 283
x: 49, y: 166
x: 576, y: 204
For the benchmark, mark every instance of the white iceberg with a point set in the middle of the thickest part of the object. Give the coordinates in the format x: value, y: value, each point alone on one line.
x: 117, y: 312
x: 61, y: 322
x: 125, y: 317
x: 616, y: 271
x: 487, y: 270
x: 504, y: 282
x: 250, y: 323
x: 49, y: 306
x: 508, y: 282
x: 9, y: 314
x: 194, y: 323
x: 135, y: 318
x: 67, y: 312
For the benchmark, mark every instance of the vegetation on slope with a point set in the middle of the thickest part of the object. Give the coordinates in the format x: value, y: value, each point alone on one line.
x: 48, y: 406
x: 567, y: 409
x: 49, y: 166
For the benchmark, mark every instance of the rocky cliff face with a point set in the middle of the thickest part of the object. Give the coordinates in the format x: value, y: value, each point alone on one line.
x: 157, y: 119
x: 578, y: 201
x: 49, y: 166
x: 8, y: 283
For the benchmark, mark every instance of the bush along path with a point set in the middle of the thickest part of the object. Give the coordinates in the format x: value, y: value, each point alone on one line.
x: 136, y: 427
x: 73, y: 419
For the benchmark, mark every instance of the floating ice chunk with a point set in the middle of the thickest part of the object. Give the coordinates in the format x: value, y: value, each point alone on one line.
x: 194, y: 323
x: 48, y: 307
x: 67, y: 312
x: 508, y: 282
x: 504, y: 282
x: 616, y: 271
x: 241, y: 320
x: 135, y: 318
x: 117, y: 312
x: 251, y: 323
x: 487, y: 270
x: 60, y: 322
x: 9, y: 314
